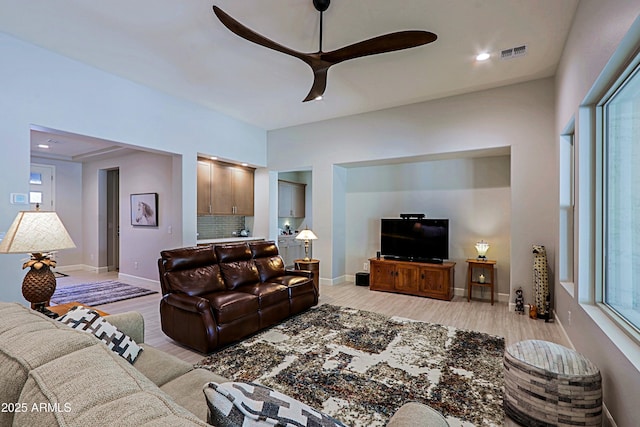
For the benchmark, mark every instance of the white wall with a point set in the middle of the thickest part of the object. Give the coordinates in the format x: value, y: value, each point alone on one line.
x: 519, y: 117
x: 473, y: 193
x: 139, y: 246
x: 68, y: 202
x: 49, y: 90
x: 604, y: 36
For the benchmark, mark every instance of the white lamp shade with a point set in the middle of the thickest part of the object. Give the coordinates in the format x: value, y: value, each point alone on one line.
x: 306, y: 234
x: 482, y: 247
x: 36, y: 232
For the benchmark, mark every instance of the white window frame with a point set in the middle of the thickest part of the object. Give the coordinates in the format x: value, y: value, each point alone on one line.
x: 567, y: 219
x: 633, y: 331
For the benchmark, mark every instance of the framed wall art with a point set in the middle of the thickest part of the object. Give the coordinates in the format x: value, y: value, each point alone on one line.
x: 144, y: 209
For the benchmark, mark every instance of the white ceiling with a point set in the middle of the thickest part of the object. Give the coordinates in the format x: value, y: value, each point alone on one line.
x: 179, y: 47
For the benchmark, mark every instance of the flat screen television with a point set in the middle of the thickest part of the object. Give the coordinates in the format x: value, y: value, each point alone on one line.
x: 421, y: 240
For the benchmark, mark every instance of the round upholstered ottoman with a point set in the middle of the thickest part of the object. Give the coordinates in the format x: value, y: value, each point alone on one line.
x: 547, y: 384
x: 417, y: 414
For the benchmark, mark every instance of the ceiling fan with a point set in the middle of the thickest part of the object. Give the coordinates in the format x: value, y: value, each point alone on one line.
x: 321, y: 61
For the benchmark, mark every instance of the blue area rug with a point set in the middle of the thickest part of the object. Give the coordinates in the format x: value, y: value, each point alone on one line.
x: 98, y: 293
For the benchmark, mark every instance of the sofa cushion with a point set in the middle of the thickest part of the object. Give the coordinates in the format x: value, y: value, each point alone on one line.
x: 193, y: 271
x: 232, y: 305
x: 130, y: 322
x: 250, y: 404
x: 239, y: 273
x: 160, y: 367
x: 186, y: 390
x: 94, y: 386
x: 290, y: 280
x: 195, y: 281
x: 263, y: 248
x: 233, y: 252
x: 188, y: 258
x: 88, y: 320
x: 237, y: 266
x: 270, y: 267
x: 268, y: 294
x: 28, y: 340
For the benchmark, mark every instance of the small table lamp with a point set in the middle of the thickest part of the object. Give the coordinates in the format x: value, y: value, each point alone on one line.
x: 482, y: 247
x: 306, y: 235
x: 38, y: 233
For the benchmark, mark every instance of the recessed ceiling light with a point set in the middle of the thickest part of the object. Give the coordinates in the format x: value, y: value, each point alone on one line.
x: 483, y: 56
x: 43, y: 146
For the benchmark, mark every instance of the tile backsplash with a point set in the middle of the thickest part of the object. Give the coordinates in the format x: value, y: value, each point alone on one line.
x: 219, y: 226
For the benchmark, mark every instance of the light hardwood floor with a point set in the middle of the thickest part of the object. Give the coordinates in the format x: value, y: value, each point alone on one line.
x: 475, y: 315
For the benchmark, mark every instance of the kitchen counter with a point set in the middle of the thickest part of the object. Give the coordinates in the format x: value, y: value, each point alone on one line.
x: 227, y: 240
x: 287, y: 236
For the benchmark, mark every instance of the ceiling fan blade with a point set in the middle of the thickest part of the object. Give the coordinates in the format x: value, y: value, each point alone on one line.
x: 381, y: 44
x: 248, y: 34
x: 319, y: 84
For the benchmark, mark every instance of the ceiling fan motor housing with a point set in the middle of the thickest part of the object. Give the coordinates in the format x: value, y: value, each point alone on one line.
x: 321, y: 5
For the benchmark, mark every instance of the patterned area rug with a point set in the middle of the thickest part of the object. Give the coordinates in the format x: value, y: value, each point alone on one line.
x: 98, y: 293
x: 360, y: 367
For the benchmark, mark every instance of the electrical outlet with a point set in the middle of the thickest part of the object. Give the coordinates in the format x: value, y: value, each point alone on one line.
x: 569, y: 317
x: 135, y: 265
x: 365, y: 266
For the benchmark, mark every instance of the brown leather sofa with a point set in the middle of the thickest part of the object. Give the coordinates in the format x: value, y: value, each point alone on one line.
x: 214, y: 295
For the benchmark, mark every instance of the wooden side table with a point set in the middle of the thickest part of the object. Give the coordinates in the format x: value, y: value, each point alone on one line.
x: 312, y: 265
x: 62, y: 309
x: 482, y: 280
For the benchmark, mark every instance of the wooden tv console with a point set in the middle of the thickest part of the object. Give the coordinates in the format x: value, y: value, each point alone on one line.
x: 413, y: 278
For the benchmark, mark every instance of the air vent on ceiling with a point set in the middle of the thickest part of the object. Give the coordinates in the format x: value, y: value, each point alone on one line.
x: 513, y: 52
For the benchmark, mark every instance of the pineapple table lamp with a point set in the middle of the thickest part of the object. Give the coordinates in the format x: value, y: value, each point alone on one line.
x: 38, y: 233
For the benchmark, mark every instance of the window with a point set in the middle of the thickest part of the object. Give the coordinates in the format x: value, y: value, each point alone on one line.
x: 621, y: 201
x: 35, y: 197
x: 567, y: 170
x: 36, y: 178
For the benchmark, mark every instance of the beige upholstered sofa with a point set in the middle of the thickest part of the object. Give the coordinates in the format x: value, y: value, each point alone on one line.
x: 51, y: 374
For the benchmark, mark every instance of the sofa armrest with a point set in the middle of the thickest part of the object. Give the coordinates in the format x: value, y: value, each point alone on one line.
x: 304, y: 273
x: 131, y: 323
x: 188, y: 303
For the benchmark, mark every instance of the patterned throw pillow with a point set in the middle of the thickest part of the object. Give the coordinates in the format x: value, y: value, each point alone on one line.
x: 88, y: 320
x: 236, y: 404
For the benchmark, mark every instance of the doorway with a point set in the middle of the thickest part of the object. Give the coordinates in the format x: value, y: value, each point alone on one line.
x: 41, y: 188
x: 113, y: 220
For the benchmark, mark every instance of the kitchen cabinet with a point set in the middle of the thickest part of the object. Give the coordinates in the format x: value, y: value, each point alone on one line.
x: 291, y: 199
x: 224, y: 189
x: 413, y: 278
x: 203, y: 195
x: 290, y: 249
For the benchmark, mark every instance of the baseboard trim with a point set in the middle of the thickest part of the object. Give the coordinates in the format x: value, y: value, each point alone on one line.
x: 136, y: 280
x: 556, y: 319
x: 335, y: 280
x: 498, y: 297
x: 67, y: 268
x: 81, y: 267
x: 608, y: 420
